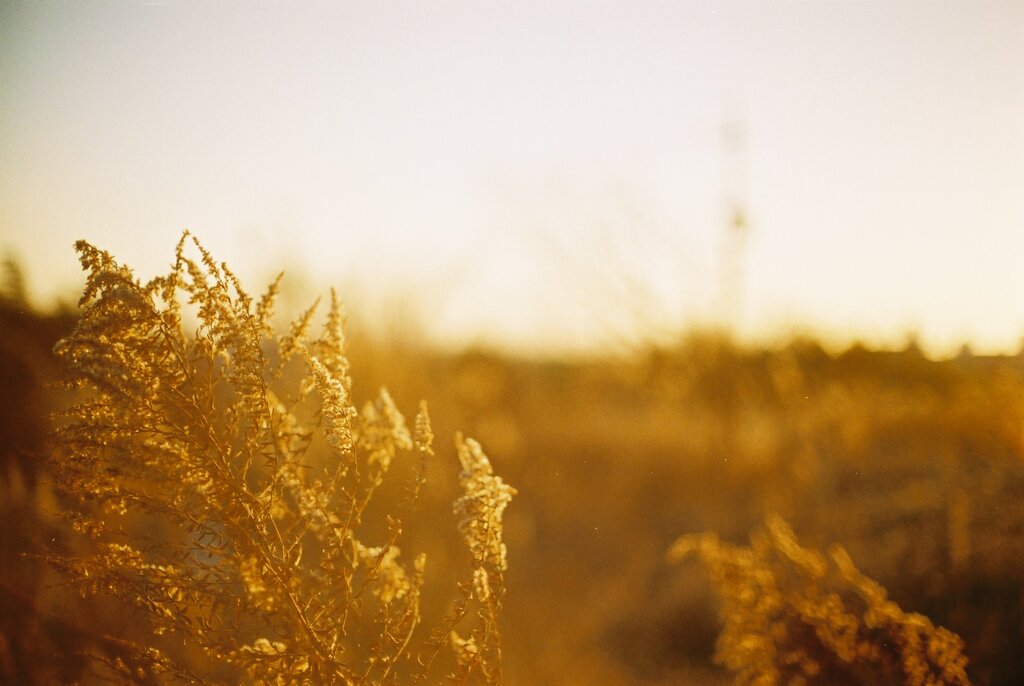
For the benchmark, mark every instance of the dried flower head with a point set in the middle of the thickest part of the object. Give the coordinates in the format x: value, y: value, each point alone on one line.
x: 481, y: 507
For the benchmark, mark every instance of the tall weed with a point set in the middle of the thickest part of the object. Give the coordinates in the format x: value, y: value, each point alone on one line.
x: 191, y: 460
x: 794, y: 616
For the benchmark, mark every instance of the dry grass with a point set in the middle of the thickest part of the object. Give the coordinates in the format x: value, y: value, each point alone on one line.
x: 241, y: 518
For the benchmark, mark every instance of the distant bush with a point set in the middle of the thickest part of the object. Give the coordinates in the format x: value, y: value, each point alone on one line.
x: 189, y: 456
x: 793, y: 616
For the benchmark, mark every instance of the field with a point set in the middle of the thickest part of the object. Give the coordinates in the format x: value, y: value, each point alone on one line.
x: 914, y: 466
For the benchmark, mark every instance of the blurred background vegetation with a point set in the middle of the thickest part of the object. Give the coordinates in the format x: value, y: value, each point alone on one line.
x: 915, y: 465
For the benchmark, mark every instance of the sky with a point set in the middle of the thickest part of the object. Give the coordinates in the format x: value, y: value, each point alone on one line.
x: 538, y: 175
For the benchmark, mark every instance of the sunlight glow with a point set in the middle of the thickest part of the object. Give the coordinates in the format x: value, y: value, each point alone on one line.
x: 538, y: 175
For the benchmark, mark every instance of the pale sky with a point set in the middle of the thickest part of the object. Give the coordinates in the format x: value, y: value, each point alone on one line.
x: 537, y: 173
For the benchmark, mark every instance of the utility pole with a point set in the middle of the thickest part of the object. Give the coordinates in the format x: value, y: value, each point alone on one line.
x: 735, y: 220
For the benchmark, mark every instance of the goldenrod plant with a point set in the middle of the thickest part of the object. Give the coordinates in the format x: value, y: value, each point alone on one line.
x: 223, y: 477
x: 794, y: 616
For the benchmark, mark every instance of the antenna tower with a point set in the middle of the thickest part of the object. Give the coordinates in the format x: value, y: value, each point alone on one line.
x: 735, y: 220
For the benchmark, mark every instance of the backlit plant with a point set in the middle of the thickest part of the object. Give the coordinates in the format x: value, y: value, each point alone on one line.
x: 224, y: 478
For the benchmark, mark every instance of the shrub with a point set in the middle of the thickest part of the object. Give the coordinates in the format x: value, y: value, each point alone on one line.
x: 191, y: 460
x: 794, y: 616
